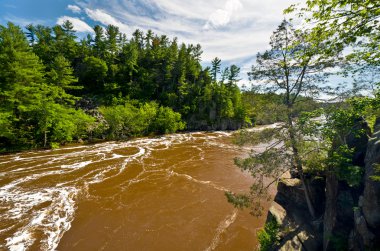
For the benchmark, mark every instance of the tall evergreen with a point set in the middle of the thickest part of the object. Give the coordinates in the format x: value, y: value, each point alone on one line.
x: 215, y: 67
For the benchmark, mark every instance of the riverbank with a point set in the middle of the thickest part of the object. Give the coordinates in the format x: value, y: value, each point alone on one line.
x: 105, y: 139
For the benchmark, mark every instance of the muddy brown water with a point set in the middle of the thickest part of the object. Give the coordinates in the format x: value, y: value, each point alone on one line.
x: 164, y: 193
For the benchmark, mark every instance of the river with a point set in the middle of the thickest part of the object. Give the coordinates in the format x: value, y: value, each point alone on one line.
x: 162, y: 193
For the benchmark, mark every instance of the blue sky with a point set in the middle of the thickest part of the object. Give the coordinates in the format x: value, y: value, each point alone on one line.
x: 233, y: 30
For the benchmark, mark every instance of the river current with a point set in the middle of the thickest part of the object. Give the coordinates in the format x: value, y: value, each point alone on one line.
x: 162, y: 193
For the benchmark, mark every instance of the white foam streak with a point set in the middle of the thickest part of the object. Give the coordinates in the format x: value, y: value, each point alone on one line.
x: 53, y: 220
x: 204, y: 182
x: 77, y: 165
x: 223, y: 226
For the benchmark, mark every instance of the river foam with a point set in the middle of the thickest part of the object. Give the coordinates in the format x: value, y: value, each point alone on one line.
x: 39, y: 191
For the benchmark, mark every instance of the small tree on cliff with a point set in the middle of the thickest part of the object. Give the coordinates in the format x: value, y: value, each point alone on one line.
x: 292, y: 67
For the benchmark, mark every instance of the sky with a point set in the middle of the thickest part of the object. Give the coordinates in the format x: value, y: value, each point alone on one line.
x: 233, y: 30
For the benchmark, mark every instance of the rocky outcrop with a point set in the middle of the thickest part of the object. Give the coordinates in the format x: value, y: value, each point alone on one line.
x: 341, y: 199
x: 290, y: 211
x: 290, y: 192
x: 371, y: 195
x: 295, y: 235
x: 349, y: 217
x: 360, y: 238
x: 330, y: 215
x: 371, y: 198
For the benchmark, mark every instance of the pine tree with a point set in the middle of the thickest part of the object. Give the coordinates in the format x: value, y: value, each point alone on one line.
x: 233, y: 76
x: 215, y: 68
x: 62, y: 79
x: 23, y: 89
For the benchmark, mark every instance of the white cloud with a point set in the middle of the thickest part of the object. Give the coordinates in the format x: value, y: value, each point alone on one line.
x: 106, y: 19
x: 237, y: 29
x: 78, y: 24
x: 218, y: 18
x: 233, y: 5
x: 222, y: 17
x: 74, y: 8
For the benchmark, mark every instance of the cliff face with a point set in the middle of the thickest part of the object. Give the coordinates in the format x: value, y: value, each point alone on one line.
x: 369, y: 203
x: 348, y: 217
x: 371, y: 196
x: 290, y: 211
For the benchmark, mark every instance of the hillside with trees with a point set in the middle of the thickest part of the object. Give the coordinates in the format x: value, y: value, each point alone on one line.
x: 57, y: 88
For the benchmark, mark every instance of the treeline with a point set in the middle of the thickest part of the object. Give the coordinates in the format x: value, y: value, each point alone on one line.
x: 56, y: 88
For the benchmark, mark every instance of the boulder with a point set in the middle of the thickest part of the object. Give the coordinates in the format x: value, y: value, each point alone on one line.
x: 278, y: 213
x: 302, y: 240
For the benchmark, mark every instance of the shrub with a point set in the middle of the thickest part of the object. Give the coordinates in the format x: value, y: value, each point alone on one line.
x: 140, y: 119
x: 268, y: 236
x: 167, y: 121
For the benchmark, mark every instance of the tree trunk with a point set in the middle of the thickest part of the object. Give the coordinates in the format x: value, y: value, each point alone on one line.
x: 45, y: 138
x: 298, y: 165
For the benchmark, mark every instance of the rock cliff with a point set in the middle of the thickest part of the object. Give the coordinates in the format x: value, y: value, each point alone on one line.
x: 348, y: 217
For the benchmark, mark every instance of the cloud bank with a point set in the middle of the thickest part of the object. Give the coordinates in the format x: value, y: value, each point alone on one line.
x: 79, y: 25
x: 233, y: 30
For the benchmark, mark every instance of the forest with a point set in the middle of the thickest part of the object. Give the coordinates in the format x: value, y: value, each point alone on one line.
x: 57, y: 88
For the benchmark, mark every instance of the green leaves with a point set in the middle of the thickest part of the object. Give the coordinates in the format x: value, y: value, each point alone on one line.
x: 93, y: 72
x: 215, y: 68
x: 42, y: 78
x: 340, y: 160
x: 238, y: 200
x: 130, y: 120
x: 268, y: 237
x: 295, y: 64
x: 350, y: 22
x: 167, y: 121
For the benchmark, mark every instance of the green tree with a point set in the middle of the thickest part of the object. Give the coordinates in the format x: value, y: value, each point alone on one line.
x: 346, y: 20
x: 65, y: 40
x: 99, y: 42
x: 62, y: 79
x: 344, y: 23
x: 215, y: 68
x: 93, y: 72
x: 292, y: 66
x: 167, y: 121
x: 21, y: 75
x: 233, y: 76
x: 44, y: 47
x: 42, y: 71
